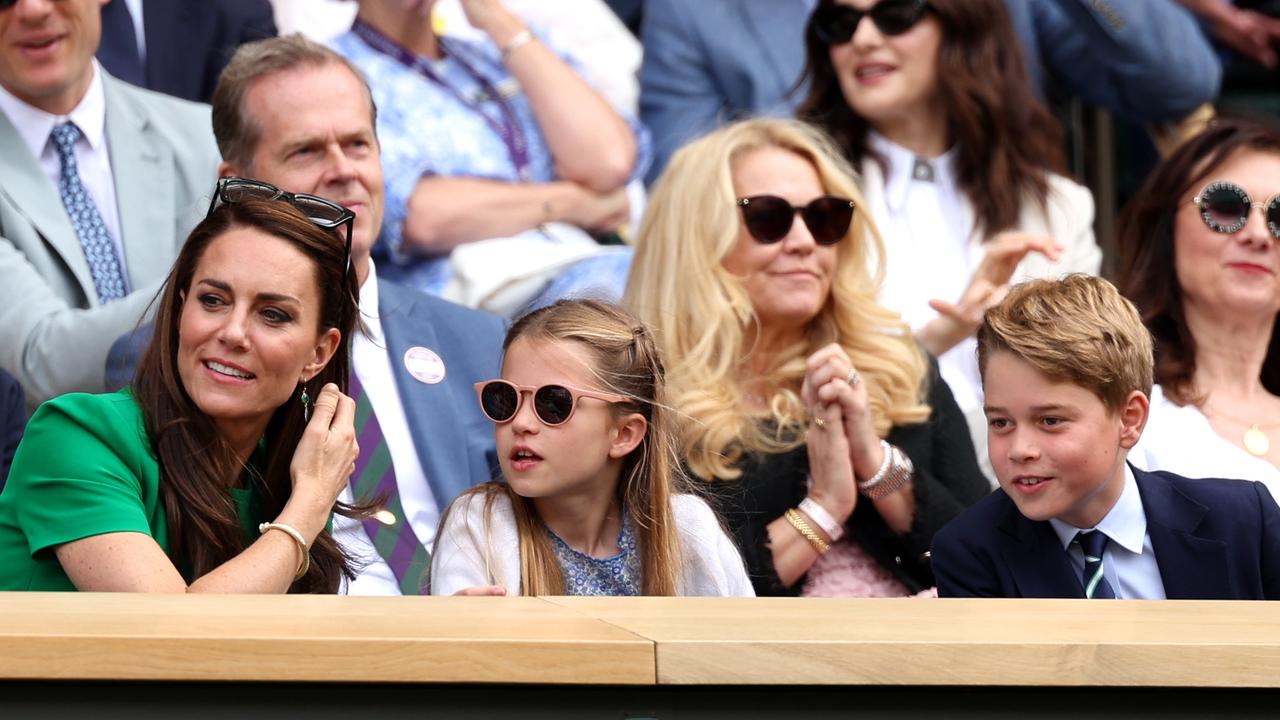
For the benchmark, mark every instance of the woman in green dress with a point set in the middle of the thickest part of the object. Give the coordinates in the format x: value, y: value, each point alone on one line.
x: 218, y: 470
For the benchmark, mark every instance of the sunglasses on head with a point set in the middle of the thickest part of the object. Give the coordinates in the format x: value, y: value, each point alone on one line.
x: 1225, y: 206
x: 768, y: 218
x: 322, y: 213
x: 835, y: 24
x: 553, y: 404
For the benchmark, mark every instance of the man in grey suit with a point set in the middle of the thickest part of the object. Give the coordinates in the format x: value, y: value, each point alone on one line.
x: 295, y: 114
x: 101, y: 183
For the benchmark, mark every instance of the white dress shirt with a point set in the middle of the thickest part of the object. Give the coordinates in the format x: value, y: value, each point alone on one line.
x: 1179, y: 438
x: 926, y: 226
x: 372, y: 365
x: 1129, y: 562
x: 93, y: 157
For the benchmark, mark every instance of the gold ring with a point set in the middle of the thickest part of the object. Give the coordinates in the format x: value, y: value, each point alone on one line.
x: 819, y: 423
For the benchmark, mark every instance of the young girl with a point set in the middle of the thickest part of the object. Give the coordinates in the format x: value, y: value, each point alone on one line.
x: 588, y: 505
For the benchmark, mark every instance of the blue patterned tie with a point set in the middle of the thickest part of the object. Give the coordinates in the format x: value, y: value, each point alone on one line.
x: 99, y: 249
x: 1096, y: 587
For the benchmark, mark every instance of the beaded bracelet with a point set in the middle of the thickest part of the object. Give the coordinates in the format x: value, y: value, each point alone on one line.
x: 802, y: 527
x: 895, y: 472
x: 292, y: 532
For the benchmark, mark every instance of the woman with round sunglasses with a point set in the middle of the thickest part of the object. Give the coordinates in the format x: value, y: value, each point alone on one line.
x: 808, y: 413
x: 960, y: 163
x: 219, y: 468
x: 589, y: 502
x: 1199, y: 254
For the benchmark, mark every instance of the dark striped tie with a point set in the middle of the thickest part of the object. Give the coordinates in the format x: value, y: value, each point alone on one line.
x: 1096, y: 587
x: 375, y: 477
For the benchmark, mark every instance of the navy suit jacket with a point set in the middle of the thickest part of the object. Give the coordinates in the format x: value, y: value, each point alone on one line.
x: 1213, y: 540
x: 13, y: 418
x: 453, y: 438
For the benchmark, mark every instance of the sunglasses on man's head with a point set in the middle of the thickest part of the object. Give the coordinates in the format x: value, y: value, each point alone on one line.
x: 769, y: 218
x: 323, y: 213
x: 1225, y: 206
x: 835, y: 24
x: 553, y: 404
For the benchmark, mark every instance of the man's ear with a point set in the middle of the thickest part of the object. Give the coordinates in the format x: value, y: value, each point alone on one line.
x: 1133, y: 418
x: 230, y: 169
x: 628, y: 432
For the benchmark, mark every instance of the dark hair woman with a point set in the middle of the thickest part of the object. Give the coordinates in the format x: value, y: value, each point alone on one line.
x: 219, y: 469
x: 1200, y: 257
x: 960, y: 163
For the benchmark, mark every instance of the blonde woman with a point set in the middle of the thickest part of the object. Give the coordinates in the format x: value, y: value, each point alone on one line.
x: 808, y: 412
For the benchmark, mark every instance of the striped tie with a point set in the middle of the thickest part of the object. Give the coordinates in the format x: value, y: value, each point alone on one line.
x: 99, y: 249
x: 1093, y: 543
x: 375, y: 477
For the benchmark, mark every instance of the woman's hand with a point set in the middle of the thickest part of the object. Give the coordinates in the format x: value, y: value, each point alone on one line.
x: 842, y: 437
x: 594, y: 211
x: 492, y: 18
x: 325, y: 458
x: 987, y: 287
x: 483, y: 590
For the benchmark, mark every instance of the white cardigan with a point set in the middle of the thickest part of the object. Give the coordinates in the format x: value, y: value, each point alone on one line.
x: 474, y: 550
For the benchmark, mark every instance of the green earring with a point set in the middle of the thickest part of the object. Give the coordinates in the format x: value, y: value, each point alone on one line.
x: 306, y: 405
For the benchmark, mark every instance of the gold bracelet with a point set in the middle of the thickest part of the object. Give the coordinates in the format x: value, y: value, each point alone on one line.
x: 292, y: 532
x: 802, y: 527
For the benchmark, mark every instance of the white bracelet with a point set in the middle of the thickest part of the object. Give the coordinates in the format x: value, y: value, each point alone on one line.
x: 819, y: 515
x: 520, y: 39
x: 292, y: 532
x: 884, y: 468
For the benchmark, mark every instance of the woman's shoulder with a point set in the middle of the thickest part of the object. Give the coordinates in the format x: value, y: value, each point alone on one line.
x: 1068, y: 194
x: 693, y: 515
x: 110, y: 413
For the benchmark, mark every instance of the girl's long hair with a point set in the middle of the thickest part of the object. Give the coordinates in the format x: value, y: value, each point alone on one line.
x: 627, y: 363
x: 703, y: 317
x: 1145, y: 241
x: 197, y: 466
x: 1006, y: 141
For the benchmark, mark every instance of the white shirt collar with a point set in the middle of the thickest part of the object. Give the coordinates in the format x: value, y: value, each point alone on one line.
x: 898, y: 173
x: 35, y: 125
x: 1125, y: 524
x: 369, y: 307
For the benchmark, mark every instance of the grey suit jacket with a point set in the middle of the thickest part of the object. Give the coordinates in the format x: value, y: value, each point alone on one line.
x: 54, y: 336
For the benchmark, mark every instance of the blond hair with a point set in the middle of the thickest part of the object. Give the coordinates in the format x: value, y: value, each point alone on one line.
x: 703, y: 316
x: 627, y: 363
x: 1079, y: 329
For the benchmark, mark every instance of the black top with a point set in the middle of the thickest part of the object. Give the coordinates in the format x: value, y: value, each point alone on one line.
x: 947, y: 480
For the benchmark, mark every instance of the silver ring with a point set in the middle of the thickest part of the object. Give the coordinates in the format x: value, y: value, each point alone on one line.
x: 853, y: 378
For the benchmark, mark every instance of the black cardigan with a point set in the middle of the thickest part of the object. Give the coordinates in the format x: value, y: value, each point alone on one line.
x: 947, y: 480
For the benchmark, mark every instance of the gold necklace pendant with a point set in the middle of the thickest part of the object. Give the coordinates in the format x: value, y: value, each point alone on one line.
x: 1256, y: 441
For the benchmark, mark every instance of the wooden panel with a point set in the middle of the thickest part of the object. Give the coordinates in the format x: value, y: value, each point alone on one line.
x: 953, y: 642
x: 313, y: 638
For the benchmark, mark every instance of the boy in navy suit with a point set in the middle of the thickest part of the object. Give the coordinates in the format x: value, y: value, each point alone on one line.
x: 1066, y: 368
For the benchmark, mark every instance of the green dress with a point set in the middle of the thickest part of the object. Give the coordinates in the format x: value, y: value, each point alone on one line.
x: 85, y: 467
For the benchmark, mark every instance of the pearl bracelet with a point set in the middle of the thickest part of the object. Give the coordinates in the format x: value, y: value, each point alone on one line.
x: 895, y: 472
x: 292, y: 532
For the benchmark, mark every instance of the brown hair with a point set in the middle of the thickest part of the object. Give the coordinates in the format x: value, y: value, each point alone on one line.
x: 236, y: 133
x: 1145, y: 241
x: 1078, y: 329
x: 626, y: 363
x: 1006, y: 141
x: 195, y: 462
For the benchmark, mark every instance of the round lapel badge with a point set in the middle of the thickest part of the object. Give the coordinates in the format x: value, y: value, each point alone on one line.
x: 424, y: 365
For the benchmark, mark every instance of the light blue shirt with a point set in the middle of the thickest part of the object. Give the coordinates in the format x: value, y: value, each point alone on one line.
x: 1129, y: 562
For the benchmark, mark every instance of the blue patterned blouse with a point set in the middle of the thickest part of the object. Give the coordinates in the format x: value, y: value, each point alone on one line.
x: 449, y: 128
x: 614, y: 576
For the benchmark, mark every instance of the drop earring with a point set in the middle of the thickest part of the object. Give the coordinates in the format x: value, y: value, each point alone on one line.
x: 306, y: 405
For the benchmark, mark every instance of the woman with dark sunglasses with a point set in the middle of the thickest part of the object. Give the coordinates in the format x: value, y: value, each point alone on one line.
x: 960, y: 163
x: 218, y: 470
x: 1199, y: 252
x: 808, y: 413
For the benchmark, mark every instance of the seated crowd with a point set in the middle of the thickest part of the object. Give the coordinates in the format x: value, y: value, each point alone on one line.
x: 432, y: 334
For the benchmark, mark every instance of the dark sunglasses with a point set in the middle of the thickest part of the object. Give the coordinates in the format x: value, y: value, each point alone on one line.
x: 553, y: 404
x: 836, y: 24
x: 1225, y: 208
x: 323, y: 213
x: 768, y: 218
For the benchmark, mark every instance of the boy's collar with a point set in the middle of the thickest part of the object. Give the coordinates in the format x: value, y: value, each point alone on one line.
x: 1125, y: 523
